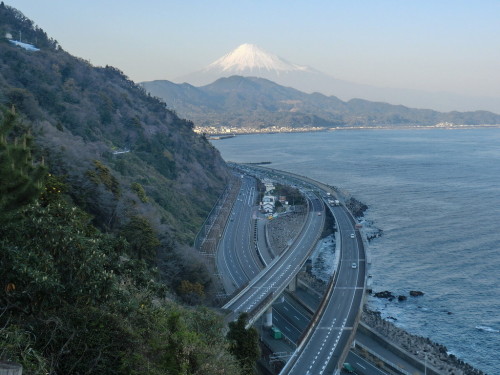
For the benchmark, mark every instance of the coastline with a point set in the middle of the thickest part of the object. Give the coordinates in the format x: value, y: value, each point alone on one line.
x: 435, y: 355
x: 422, y: 349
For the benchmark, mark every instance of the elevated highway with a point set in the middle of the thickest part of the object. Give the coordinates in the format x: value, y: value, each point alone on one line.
x: 332, y: 329
x: 259, y: 294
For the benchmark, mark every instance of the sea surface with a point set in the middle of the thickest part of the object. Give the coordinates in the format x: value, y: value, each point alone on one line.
x: 435, y: 194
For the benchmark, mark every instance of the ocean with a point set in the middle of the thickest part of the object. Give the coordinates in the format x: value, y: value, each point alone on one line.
x: 435, y: 195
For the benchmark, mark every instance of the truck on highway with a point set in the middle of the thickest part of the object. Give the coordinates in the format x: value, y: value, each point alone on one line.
x: 333, y: 202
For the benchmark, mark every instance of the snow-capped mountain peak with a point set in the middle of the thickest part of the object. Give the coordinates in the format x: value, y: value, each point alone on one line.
x: 251, y: 58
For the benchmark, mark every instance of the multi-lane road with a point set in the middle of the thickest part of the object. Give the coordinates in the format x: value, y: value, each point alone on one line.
x: 290, y: 317
x: 272, y: 280
x: 321, y: 351
x: 236, y: 263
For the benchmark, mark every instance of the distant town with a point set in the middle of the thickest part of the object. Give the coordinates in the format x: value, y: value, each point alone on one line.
x: 226, y: 131
x: 221, y: 132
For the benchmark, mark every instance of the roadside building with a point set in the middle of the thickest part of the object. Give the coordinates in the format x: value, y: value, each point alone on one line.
x: 268, y: 204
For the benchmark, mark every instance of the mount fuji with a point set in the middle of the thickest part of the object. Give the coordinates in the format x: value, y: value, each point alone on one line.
x: 249, y: 60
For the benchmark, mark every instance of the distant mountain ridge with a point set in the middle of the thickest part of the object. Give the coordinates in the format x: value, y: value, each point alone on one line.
x: 259, y: 103
x: 249, y: 60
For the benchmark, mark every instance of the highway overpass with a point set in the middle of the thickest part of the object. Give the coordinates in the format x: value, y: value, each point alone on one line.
x: 259, y: 294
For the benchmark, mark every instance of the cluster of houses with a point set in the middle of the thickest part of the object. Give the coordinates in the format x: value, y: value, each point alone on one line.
x: 269, y: 200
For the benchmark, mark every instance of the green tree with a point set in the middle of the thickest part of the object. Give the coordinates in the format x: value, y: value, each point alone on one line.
x: 191, y: 293
x: 185, y: 342
x: 84, y: 340
x: 244, y: 343
x: 53, y: 255
x: 142, y: 237
x: 139, y: 190
x: 16, y: 345
x: 20, y: 178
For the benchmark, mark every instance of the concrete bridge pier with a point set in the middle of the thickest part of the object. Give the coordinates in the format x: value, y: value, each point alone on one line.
x: 293, y: 285
x: 268, y: 321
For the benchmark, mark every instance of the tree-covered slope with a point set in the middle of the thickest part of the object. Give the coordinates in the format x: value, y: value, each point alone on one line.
x: 83, y: 116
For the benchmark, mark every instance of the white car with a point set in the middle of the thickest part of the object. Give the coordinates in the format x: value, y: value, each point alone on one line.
x: 352, y: 235
x: 354, y: 265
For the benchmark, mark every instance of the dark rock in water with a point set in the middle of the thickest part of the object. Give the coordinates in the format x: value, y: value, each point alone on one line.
x: 402, y: 298
x: 384, y: 294
x: 356, y: 207
x: 391, y: 318
x: 374, y: 235
x: 416, y: 293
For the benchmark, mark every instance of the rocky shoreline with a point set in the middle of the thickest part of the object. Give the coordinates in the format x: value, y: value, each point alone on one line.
x: 437, y: 354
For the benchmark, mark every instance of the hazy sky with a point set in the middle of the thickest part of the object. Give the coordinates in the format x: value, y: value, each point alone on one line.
x: 433, y: 45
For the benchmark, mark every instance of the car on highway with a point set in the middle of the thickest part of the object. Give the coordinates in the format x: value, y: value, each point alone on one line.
x: 354, y: 265
x: 347, y: 367
x: 352, y: 235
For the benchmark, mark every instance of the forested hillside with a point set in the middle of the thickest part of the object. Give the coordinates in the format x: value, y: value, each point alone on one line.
x: 102, y: 190
x: 82, y: 114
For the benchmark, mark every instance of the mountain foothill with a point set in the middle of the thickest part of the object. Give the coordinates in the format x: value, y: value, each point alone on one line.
x: 258, y: 103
